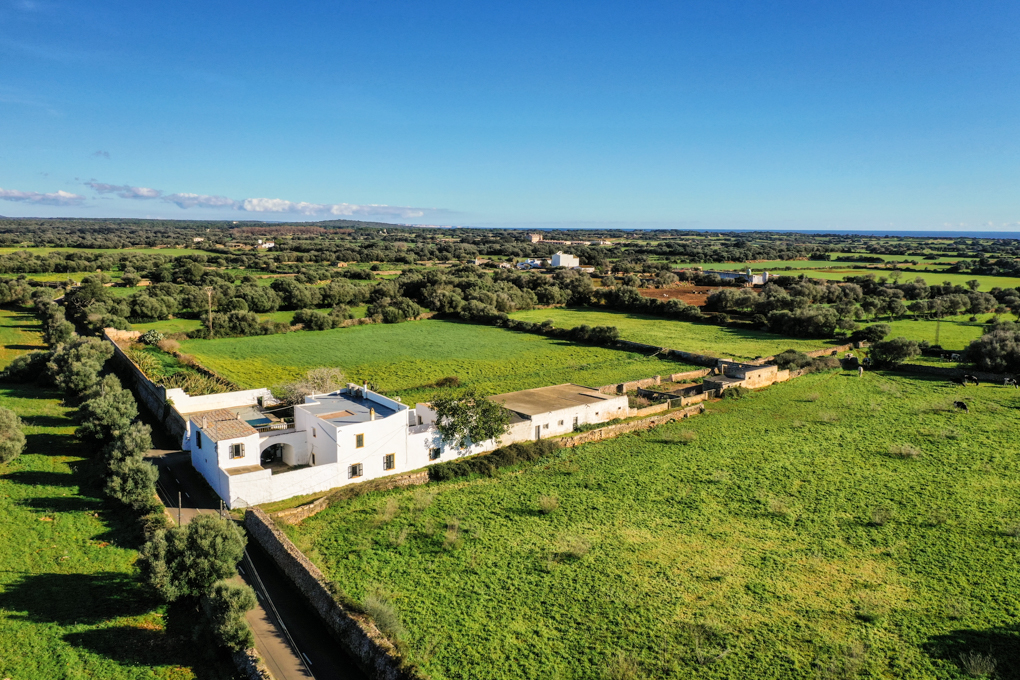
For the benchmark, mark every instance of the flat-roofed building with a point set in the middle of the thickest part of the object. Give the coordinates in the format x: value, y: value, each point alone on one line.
x: 558, y: 409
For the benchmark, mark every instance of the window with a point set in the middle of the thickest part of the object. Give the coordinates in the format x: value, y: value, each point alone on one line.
x: 315, y: 432
x: 237, y: 450
x: 354, y: 471
x: 198, y: 437
x: 560, y: 424
x: 389, y: 461
x: 546, y: 426
x: 313, y: 459
x: 359, y: 441
x: 434, y: 454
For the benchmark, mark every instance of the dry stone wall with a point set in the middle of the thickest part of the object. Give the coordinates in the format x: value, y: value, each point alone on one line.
x: 296, y: 515
x: 356, y: 632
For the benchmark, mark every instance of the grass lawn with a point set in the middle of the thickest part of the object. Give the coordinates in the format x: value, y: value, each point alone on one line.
x: 19, y: 333
x: 784, y: 541
x: 71, y: 605
x: 169, y: 326
x: 403, y: 359
x: 933, y: 278
x: 956, y: 332
x: 700, y: 338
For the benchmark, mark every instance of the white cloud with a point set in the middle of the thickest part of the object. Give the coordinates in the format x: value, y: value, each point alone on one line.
x: 279, y: 205
x: 102, y: 154
x: 124, y: 191
x: 58, y: 198
x: 200, y: 200
x: 259, y: 205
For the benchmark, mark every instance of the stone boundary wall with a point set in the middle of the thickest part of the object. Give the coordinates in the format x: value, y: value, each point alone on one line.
x: 302, y: 512
x: 634, y: 426
x: 650, y: 410
x: 949, y: 373
x: 359, y: 636
x: 251, y: 665
x: 149, y: 393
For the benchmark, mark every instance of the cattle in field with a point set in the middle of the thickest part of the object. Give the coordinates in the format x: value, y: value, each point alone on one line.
x: 954, y: 357
x: 960, y: 405
x: 969, y: 379
x: 1010, y: 382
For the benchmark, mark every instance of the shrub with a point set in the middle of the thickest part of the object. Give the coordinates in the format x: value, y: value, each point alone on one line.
x: 169, y: 346
x: 895, y: 351
x: 978, y: 665
x: 686, y: 436
x: 321, y: 380
x: 152, y: 337
x: 12, y: 439
x: 449, y: 381
x: 379, y: 605
x: 186, y: 561
x: 225, y: 606
x: 998, y: 350
x: 108, y: 413
x: 880, y: 515
x: 26, y: 367
x: 904, y: 451
x: 735, y: 392
x: 873, y: 333
x: 75, y: 366
x: 572, y: 548
x: 870, y: 608
x: 132, y: 482
x: 548, y: 504
x: 519, y: 452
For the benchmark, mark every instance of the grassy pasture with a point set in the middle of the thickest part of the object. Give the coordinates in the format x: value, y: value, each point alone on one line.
x: 683, y: 335
x: 791, y: 536
x: 932, y: 278
x: 956, y: 332
x: 19, y: 333
x: 71, y: 605
x: 170, y: 252
x: 403, y: 359
x: 168, y: 326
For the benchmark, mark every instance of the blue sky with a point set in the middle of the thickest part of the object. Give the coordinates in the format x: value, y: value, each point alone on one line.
x: 714, y: 115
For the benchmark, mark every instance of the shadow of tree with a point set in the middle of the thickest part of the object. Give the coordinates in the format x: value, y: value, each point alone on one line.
x: 53, y: 445
x: 40, y: 478
x: 1003, y: 644
x: 68, y: 599
x: 63, y: 504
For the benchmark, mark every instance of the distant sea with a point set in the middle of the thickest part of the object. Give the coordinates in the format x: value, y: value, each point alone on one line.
x: 841, y: 232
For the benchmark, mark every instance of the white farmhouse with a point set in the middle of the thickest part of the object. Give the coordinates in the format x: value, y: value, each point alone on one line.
x: 249, y: 456
x: 565, y: 260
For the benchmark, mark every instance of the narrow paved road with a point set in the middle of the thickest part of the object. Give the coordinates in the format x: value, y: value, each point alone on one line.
x: 288, y: 634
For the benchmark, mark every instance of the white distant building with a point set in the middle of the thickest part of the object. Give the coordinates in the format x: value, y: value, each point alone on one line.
x: 250, y: 457
x: 265, y: 244
x: 565, y: 260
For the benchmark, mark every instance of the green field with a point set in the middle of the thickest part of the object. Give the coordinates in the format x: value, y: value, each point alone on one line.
x: 170, y: 252
x: 955, y: 334
x: 71, y: 604
x: 933, y: 278
x: 700, y: 338
x: 784, y: 541
x: 19, y: 333
x: 169, y: 326
x: 403, y: 359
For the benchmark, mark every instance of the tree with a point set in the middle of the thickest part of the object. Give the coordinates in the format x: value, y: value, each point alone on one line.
x: 133, y: 482
x: 895, y: 351
x: 186, y: 561
x: 132, y: 444
x: 108, y: 413
x: 12, y: 439
x: 873, y: 333
x: 322, y: 380
x: 75, y: 366
x: 225, y: 607
x: 466, y: 417
x: 997, y: 350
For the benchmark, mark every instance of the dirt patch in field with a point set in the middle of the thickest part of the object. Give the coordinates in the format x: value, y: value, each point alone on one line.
x: 692, y: 295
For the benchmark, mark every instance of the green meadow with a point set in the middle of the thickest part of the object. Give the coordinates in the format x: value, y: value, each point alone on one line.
x: 931, y: 278
x: 406, y: 359
x: 71, y: 604
x: 829, y: 527
x: 700, y: 338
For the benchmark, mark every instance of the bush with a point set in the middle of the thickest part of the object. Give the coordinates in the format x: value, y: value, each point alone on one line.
x: 75, y: 366
x: 380, y: 607
x: 225, y: 607
x: 12, y: 439
x: 186, y: 561
x: 152, y: 337
x: 26, y: 367
x: 735, y: 392
x: 998, y: 350
x: 132, y: 482
x: 904, y: 451
x: 486, y: 464
x: 873, y: 333
x: 892, y: 352
x: 108, y: 413
x: 548, y: 504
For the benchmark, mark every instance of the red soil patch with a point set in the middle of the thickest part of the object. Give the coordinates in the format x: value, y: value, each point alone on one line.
x: 691, y: 295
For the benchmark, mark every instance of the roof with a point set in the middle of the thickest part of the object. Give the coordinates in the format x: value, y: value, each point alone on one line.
x: 547, y: 399
x: 222, y: 424
x: 346, y: 408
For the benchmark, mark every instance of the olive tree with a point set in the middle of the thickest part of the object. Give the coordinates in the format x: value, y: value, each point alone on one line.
x: 186, y: 561
x: 108, y: 413
x: 225, y: 606
x: 466, y: 417
x: 12, y: 439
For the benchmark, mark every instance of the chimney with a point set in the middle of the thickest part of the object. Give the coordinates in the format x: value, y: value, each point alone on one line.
x: 371, y: 414
x: 364, y: 389
x: 205, y: 422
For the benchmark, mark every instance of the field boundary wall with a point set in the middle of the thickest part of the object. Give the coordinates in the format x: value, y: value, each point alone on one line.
x: 302, y: 512
x: 623, y: 428
x: 949, y: 373
x: 375, y: 654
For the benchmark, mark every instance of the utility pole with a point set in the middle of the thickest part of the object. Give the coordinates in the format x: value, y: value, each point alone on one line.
x: 180, y: 504
x: 208, y: 292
